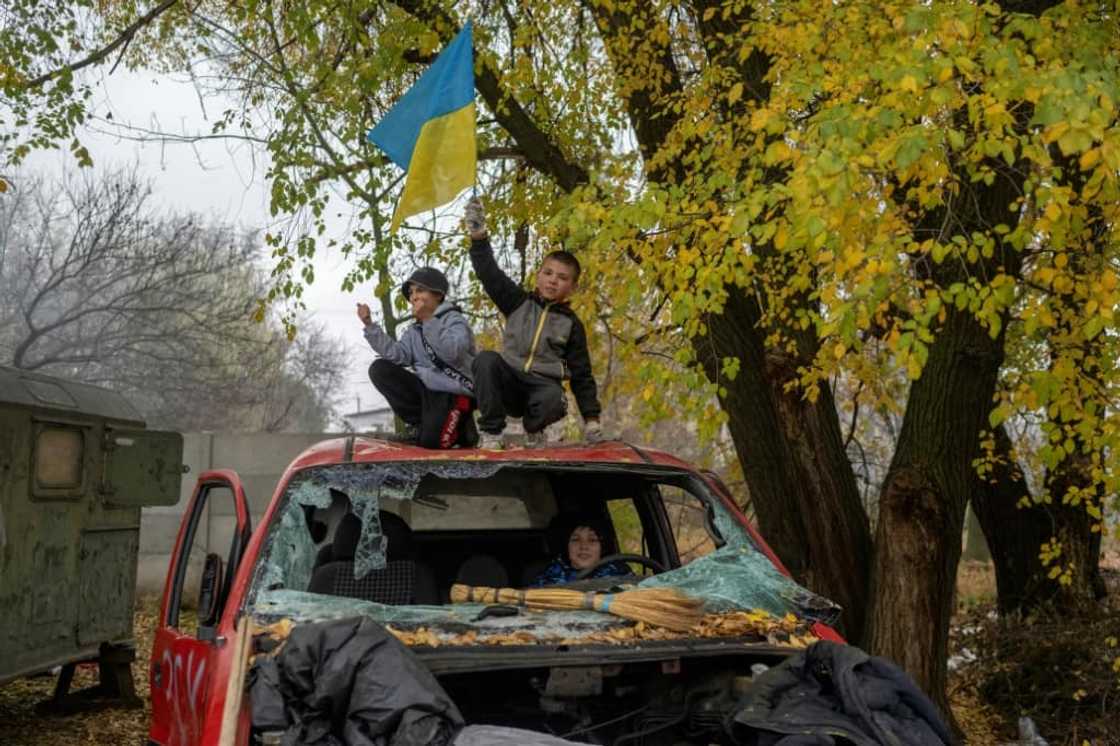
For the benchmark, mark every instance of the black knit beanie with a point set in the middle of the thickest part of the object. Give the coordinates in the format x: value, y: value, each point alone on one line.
x: 426, y: 277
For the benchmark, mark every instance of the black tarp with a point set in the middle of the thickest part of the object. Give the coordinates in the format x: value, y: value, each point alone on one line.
x: 496, y: 735
x: 833, y: 694
x: 349, y: 681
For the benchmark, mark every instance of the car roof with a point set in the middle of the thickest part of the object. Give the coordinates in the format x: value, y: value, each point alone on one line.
x: 371, y: 449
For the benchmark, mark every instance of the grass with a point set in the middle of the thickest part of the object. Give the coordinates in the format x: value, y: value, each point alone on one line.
x: 976, y: 585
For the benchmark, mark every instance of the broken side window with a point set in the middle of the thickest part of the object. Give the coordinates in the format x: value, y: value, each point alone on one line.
x: 688, y: 520
x: 725, y: 567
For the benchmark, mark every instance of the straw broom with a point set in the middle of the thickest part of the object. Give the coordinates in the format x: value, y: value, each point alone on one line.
x: 664, y: 607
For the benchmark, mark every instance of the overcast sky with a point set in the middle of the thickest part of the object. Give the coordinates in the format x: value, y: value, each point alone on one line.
x: 221, y: 181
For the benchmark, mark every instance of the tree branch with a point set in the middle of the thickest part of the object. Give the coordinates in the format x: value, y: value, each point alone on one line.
x: 124, y: 38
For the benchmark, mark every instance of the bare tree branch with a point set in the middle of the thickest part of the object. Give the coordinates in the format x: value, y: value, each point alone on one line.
x: 96, y: 284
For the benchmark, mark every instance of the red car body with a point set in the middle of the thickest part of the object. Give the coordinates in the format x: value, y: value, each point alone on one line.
x: 189, y: 676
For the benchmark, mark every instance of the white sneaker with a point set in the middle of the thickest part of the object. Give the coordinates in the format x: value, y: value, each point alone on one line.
x: 490, y: 441
x: 535, y: 440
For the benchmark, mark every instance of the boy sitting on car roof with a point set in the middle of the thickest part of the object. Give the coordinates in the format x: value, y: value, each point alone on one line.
x: 543, y: 344
x: 436, y: 397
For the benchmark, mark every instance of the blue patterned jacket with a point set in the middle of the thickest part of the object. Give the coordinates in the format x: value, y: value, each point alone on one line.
x: 560, y: 571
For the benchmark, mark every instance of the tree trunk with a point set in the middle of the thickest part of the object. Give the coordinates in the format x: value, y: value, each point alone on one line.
x: 801, y: 483
x: 1080, y: 584
x: 922, y: 505
x: 1023, y: 581
x: 923, y: 498
x: 1016, y: 533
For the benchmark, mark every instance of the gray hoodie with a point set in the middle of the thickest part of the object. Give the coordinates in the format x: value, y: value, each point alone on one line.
x: 449, y: 335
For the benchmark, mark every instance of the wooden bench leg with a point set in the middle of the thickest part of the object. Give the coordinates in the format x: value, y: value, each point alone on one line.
x: 115, y: 687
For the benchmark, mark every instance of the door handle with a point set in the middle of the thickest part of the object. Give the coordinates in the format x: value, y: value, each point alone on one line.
x: 157, y: 675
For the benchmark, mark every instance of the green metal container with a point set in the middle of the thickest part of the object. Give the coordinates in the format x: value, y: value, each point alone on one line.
x: 76, y: 465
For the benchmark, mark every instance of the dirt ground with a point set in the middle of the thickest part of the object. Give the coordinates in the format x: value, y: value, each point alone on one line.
x: 22, y: 725
x: 1064, y: 674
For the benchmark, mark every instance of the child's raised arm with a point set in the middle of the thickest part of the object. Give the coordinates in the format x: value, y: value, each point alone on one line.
x: 506, y: 294
x: 384, y: 345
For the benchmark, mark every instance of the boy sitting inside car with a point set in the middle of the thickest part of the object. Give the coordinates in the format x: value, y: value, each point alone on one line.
x: 586, y: 536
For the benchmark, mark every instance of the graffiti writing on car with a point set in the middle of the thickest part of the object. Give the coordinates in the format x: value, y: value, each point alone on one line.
x: 184, y: 686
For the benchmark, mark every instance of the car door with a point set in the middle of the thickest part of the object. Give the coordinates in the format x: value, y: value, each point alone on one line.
x: 185, y: 654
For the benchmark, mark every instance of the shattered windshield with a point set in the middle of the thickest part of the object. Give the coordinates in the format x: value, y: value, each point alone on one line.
x: 388, y: 540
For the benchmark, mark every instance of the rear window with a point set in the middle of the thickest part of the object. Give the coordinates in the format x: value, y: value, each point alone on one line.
x: 507, y: 500
x: 470, y: 513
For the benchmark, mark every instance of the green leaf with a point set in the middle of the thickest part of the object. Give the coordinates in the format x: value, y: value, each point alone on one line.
x: 830, y: 164
x: 996, y: 417
x: 1093, y: 327
x: 918, y: 19
x: 1076, y: 140
x: 1047, y: 112
x: 814, y: 225
x: 910, y: 150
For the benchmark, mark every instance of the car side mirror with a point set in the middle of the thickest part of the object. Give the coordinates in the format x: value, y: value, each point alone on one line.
x: 209, y: 596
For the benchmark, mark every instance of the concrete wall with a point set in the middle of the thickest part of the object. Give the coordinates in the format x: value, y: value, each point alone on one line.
x: 259, y: 458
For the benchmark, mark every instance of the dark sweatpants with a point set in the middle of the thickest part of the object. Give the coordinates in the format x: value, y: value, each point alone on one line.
x: 441, y: 418
x: 502, y: 390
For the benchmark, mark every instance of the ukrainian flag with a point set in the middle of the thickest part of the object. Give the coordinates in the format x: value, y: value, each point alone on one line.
x: 430, y: 131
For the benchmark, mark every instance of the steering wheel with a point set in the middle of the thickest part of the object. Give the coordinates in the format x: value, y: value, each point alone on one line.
x: 639, y: 558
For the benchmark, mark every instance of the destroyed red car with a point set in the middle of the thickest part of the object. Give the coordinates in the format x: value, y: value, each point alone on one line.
x: 362, y: 527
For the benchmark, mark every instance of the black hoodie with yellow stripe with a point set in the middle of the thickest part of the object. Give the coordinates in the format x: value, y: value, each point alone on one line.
x: 541, y: 337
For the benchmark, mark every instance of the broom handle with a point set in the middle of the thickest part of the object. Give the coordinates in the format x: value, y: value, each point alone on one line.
x: 576, y: 600
x: 681, y: 612
x: 483, y: 595
x: 235, y: 686
x: 462, y: 594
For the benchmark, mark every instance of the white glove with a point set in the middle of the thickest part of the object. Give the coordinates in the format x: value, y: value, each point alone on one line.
x: 592, y: 431
x: 475, y: 218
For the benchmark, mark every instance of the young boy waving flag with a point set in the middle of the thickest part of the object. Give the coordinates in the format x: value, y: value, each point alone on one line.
x: 543, y: 344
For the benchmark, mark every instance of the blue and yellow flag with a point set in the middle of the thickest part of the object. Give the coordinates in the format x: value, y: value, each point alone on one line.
x: 430, y: 131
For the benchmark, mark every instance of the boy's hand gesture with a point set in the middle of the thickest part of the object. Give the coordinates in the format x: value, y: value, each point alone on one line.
x: 423, y: 305
x: 364, y: 314
x: 475, y: 218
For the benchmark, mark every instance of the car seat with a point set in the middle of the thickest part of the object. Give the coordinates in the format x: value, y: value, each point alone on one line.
x: 402, y: 581
x: 482, y: 569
